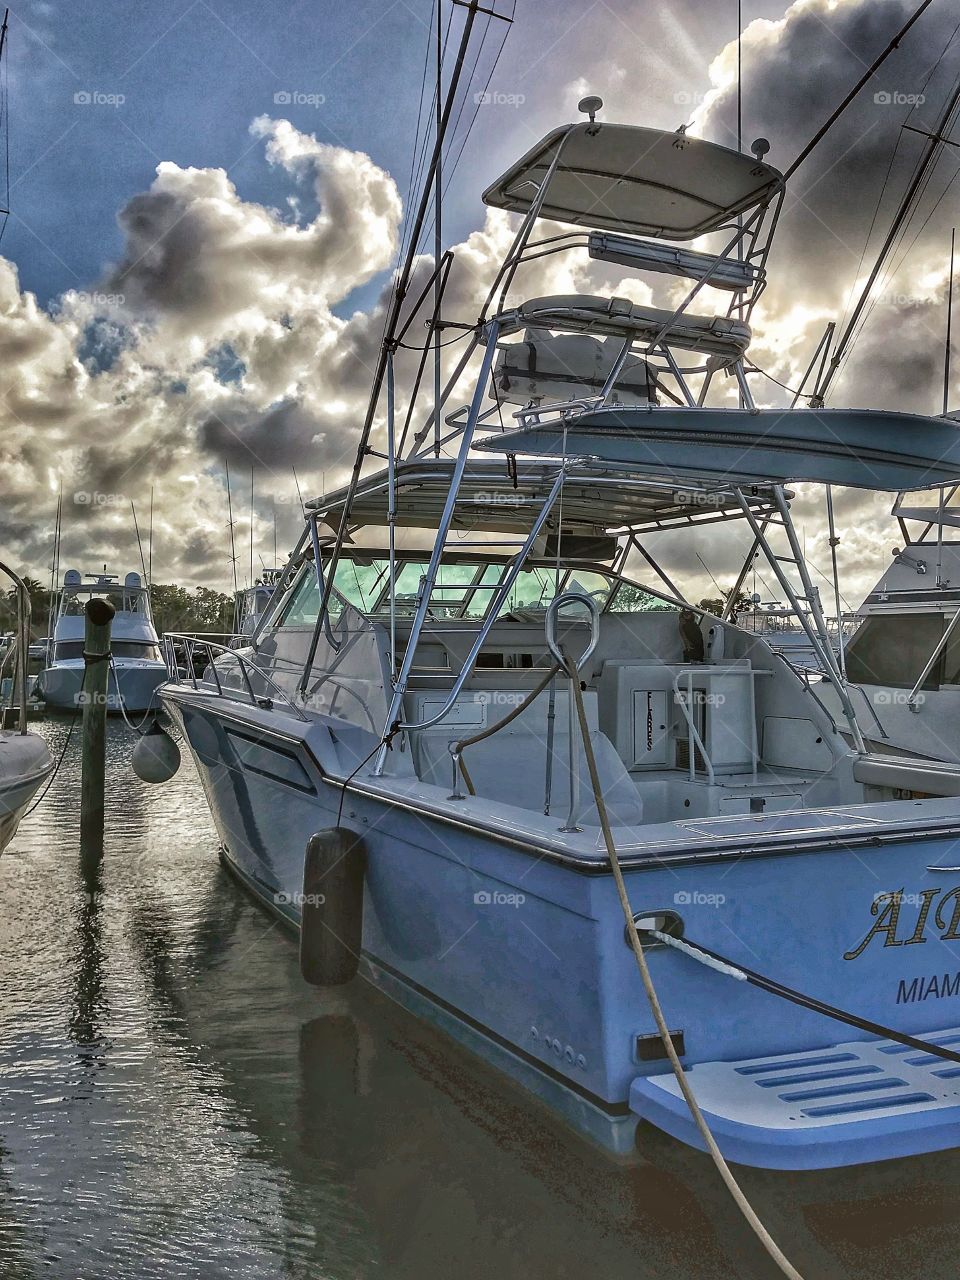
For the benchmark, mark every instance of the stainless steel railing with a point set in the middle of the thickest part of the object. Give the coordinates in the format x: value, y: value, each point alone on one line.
x: 21, y: 644
x: 189, y: 646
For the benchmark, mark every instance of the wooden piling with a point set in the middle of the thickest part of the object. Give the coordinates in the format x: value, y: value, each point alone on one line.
x: 99, y: 618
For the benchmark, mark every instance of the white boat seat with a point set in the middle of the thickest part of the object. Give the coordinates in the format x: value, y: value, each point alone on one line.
x: 567, y: 366
x: 509, y: 767
x: 577, y: 313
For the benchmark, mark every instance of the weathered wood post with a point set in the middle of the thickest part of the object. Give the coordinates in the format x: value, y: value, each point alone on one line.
x: 96, y: 650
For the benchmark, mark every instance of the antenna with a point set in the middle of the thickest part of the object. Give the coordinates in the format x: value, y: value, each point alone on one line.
x: 437, y: 244
x: 946, y: 349
x: 297, y: 483
x: 930, y: 153
x: 143, y: 563
x: 590, y: 106
x: 55, y: 560
x: 250, y: 583
x: 150, y: 544
x: 399, y: 293
x: 867, y: 75
x: 4, y: 112
x: 233, y: 545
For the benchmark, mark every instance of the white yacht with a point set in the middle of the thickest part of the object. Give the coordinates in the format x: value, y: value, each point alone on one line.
x: 136, y: 669
x: 903, y: 662
x: 251, y: 603
x: 24, y: 758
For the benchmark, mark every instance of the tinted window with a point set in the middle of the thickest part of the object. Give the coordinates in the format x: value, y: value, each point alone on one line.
x: 302, y: 607
x: 894, y: 650
x: 633, y: 599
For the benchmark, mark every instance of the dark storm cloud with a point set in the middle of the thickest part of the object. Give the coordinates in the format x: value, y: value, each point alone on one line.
x: 795, y: 73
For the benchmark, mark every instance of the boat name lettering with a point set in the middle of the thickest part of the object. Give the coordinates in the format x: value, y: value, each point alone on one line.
x: 937, y: 985
x: 887, y: 908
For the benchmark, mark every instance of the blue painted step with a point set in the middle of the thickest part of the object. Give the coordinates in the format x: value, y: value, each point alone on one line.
x: 852, y: 1103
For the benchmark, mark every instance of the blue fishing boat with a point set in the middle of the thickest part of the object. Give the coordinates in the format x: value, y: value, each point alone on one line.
x: 504, y: 770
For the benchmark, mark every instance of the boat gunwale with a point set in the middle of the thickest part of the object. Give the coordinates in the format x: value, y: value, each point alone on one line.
x: 722, y: 850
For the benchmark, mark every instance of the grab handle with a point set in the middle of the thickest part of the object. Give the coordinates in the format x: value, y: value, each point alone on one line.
x: 553, y: 611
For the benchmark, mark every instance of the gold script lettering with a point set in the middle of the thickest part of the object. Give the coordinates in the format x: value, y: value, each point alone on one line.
x: 886, y: 924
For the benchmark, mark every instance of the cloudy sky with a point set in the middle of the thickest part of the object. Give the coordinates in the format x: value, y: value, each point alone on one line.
x: 206, y: 205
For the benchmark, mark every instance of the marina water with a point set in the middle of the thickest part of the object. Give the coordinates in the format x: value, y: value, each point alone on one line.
x: 175, y: 1102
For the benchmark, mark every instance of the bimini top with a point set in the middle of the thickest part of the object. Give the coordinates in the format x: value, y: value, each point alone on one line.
x: 491, y: 500
x: 860, y: 448
x: 620, y: 177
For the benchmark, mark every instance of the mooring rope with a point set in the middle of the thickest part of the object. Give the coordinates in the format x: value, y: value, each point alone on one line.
x: 721, y: 964
x: 742, y: 1203
x: 457, y: 748
x: 77, y: 707
x: 136, y: 728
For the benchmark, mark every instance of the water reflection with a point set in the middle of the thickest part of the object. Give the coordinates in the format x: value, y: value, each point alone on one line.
x: 176, y: 1103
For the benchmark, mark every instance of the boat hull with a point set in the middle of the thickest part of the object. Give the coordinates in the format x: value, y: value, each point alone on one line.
x: 136, y: 683
x: 24, y: 766
x: 525, y: 959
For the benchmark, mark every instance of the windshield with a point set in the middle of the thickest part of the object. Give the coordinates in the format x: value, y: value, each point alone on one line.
x: 464, y: 589
x: 124, y: 600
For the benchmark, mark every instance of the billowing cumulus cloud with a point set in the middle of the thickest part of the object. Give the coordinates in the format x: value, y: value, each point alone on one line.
x: 213, y: 338
x: 224, y: 330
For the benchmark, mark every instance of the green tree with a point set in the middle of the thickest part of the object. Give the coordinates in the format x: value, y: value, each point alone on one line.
x: 717, y: 604
x: 177, y: 609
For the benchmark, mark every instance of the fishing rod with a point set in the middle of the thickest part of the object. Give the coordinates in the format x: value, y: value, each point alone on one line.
x: 870, y: 71
x: 472, y: 7
x: 931, y: 152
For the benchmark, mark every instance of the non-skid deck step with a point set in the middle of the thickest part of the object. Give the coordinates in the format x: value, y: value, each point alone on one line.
x: 852, y: 1103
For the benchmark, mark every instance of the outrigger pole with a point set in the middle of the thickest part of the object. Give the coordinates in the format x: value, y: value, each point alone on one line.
x: 870, y: 71
x: 931, y: 152
x: 399, y: 295
x: 949, y: 335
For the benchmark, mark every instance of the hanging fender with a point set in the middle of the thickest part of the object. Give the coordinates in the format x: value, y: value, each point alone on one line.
x: 331, y: 910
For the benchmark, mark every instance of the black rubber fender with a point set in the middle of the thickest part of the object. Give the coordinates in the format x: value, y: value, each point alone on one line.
x: 331, y: 910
